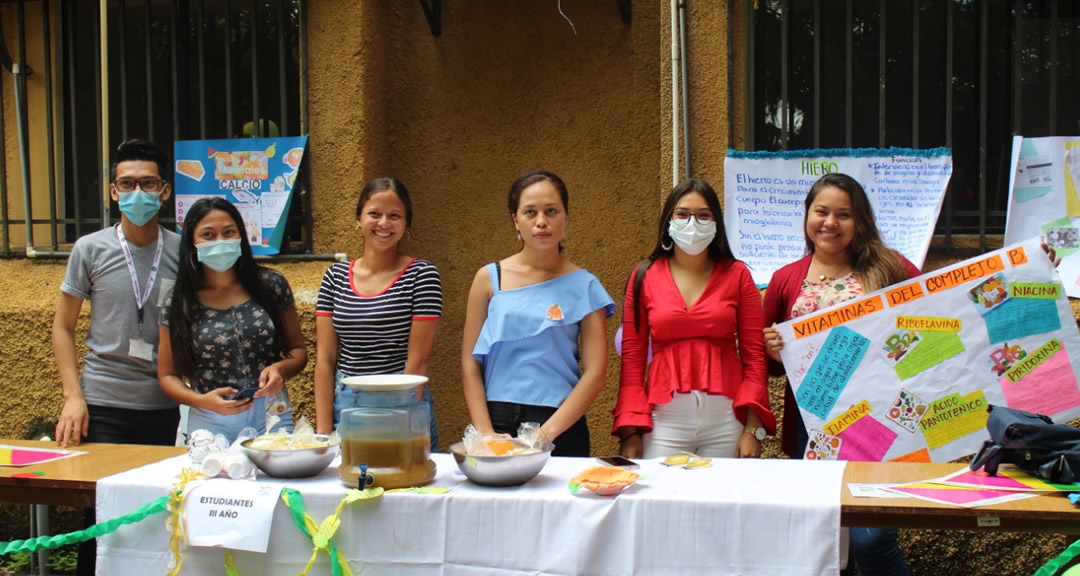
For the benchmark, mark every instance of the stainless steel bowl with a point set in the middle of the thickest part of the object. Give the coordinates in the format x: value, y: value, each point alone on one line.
x: 501, y: 470
x: 292, y: 463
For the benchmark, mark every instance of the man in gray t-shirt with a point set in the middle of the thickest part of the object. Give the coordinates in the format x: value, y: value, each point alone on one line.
x: 125, y: 271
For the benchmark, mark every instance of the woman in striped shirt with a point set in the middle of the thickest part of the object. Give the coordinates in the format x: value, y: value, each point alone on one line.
x: 376, y: 314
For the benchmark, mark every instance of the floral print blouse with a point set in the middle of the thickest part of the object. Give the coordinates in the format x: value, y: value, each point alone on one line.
x: 234, y: 345
x: 817, y: 295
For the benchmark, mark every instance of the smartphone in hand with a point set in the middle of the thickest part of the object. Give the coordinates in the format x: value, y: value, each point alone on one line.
x: 618, y: 461
x: 245, y: 393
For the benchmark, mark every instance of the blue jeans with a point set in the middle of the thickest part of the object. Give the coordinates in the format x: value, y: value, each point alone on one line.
x: 230, y: 425
x: 874, y: 550
x: 344, y: 397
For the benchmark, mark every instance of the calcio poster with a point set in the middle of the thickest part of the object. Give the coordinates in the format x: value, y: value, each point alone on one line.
x: 257, y: 175
x: 906, y: 373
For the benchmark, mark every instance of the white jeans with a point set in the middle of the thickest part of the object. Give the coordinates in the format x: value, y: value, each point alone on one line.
x: 693, y: 422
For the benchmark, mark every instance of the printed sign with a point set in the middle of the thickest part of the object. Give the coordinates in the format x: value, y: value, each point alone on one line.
x: 256, y: 174
x: 764, y: 195
x: 1044, y: 199
x: 233, y: 514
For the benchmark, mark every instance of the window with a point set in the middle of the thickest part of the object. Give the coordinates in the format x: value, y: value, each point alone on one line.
x: 967, y: 74
x: 177, y: 70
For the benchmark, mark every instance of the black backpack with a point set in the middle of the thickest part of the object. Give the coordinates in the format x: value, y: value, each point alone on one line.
x: 1032, y: 442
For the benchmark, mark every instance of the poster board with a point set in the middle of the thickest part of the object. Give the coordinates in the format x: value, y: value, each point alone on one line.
x: 1044, y: 199
x: 906, y: 373
x: 257, y: 175
x: 764, y: 194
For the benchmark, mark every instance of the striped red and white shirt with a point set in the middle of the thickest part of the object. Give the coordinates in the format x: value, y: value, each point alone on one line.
x: 373, y: 329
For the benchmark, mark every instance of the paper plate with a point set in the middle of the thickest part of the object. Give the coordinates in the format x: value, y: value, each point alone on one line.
x: 384, y: 382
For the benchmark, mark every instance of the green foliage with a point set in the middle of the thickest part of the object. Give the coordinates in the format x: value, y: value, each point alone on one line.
x: 61, y: 561
x: 14, y: 563
x: 65, y: 560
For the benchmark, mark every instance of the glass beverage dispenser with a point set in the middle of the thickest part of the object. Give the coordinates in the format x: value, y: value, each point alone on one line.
x: 386, y: 433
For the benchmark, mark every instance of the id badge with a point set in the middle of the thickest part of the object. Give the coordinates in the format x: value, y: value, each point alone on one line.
x: 141, y: 349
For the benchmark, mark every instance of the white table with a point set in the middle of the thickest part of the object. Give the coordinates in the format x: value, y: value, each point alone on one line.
x: 760, y: 517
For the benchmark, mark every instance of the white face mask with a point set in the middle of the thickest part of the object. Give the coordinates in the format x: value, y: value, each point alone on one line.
x: 692, y: 236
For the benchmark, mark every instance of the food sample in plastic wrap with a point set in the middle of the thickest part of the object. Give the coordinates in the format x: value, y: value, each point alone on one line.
x: 302, y: 437
x: 480, y: 444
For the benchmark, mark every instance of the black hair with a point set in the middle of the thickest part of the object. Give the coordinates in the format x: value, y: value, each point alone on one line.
x: 137, y: 149
x: 513, y: 199
x: 719, y: 251
x: 184, y: 308
x: 382, y: 184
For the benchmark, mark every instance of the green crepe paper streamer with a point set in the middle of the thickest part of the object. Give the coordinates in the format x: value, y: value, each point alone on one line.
x: 96, y: 531
x: 1052, y: 567
x: 296, y: 508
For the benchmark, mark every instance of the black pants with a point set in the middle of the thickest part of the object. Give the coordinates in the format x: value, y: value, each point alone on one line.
x: 121, y: 426
x: 506, y: 417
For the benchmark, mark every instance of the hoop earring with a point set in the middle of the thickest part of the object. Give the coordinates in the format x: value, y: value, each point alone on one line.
x: 667, y: 246
x: 408, y: 234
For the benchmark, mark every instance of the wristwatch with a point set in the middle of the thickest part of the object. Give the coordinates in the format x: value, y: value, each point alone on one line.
x: 755, y: 431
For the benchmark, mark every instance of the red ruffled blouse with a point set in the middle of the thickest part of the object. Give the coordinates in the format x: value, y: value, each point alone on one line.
x: 716, y: 346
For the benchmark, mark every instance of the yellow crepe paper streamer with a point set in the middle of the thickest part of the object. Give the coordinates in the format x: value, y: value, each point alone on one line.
x: 422, y: 490
x: 322, y: 534
x: 175, y: 524
x: 230, y: 565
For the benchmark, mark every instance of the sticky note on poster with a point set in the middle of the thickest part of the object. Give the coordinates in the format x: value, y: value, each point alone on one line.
x: 831, y: 371
x: 1062, y: 236
x: 866, y: 440
x: 1035, y: 290
x: 849, y: 417
x: 1019, y: 317
x: 1043, y: 381
x: 952, y: 417
x: 936, y: 348
x: 920, y: 455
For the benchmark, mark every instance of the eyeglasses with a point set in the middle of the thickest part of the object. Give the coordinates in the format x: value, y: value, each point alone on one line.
x: 144, y: 184
x: 700, y: 215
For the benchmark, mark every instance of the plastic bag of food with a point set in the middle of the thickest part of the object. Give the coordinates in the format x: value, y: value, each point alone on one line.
x: 480, y: 444
x: 302, y: 436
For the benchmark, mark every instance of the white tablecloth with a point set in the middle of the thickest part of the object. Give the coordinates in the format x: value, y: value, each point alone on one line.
x: 739, y: 517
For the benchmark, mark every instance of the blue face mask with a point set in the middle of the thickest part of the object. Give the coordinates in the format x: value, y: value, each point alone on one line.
x: 139, y: 207
x: 220, y: 255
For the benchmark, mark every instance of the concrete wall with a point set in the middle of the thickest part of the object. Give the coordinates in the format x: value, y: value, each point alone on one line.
x: 505, y: 89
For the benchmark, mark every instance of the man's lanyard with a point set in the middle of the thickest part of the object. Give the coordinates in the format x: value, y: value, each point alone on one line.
x: 140, y: 300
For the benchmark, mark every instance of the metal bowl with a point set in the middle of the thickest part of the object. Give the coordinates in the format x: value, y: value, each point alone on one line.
x: 292, y: 463
x: 507, y: 470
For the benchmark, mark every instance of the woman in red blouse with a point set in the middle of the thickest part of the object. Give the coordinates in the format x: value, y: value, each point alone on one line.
x: 706, y: 388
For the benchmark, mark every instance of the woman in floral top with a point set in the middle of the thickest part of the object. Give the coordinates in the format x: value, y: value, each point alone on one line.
x: 846, y: 259
x: 230, y: 324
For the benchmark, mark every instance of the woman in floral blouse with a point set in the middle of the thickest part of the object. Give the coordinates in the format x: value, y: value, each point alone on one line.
x: 846, y: 259
x: 230, y: 324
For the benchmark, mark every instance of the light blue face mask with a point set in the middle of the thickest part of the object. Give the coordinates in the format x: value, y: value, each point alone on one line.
x: 219, y: 254
x: 139, y: 207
